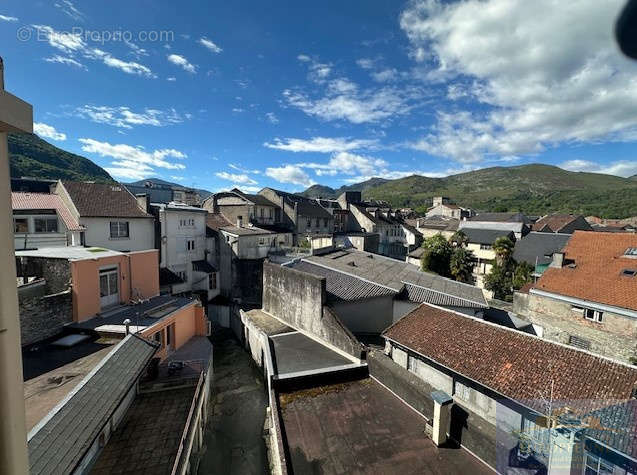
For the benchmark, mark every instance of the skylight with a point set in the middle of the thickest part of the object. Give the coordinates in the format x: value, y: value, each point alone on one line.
x: 631, y: 252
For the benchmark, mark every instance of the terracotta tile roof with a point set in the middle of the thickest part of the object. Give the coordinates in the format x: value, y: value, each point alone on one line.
x: 555, y: 222
x: 216, y: 221
x: 596, y: 274
x: 512, y: 363
x: 103, y: 200
x: 45, y: 201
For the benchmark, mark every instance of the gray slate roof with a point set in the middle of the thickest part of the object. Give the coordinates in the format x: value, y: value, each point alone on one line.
x: 58, y: 445
x: 486, y: 236
x: 341, y: 286
x: 395, y: 274
x: 539, y: 245
x: 501, y: 218
x: 617, y: 427
x: 415, y: 293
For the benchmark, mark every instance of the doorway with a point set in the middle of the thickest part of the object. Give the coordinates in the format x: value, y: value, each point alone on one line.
x: 109, y: 288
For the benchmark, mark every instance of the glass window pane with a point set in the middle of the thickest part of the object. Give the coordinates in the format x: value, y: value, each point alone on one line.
x: 103, y: 285
x: 52, y: 225
x: 40, y: 225
x: 123, y: 229
x: 112, y: 283
x: 20, y: 225
x: 113, y: 229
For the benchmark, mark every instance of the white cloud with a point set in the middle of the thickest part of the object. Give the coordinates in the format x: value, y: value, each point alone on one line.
x: 320, y: 144
x: 182, y: 62
x: 538, y: 73
x: 623, y: 168
x: 246, y: 188
x: 8, y: 18
x: 171, y: 79
x: 133, y: 161
x: 272, y: 118
x: 210, y: 45
x: 365, y: 63
x: 242, y: 169
x: 385, y: 75
x: 125, y: 118
x: 136, y: 50
x: 67, y: 7
x: 342, y: 101
x: 351, y: 163
x: 303, y: 58
x: 237, y: 178
x: 289, y: 174
x: 65, y: 60
x: 48, y: 131
x: 238, y: 110
x: 73, y: 45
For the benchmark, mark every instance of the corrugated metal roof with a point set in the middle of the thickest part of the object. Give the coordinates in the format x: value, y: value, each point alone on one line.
x: 24, y: 201
x: 415, y: 293
x: 60, y: 443
x: 341, y: 286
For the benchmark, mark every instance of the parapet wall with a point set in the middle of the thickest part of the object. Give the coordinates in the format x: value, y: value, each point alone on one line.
x: 298, y: 299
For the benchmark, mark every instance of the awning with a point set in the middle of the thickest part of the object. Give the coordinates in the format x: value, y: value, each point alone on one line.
x: 168, y: 277
x: 203, y: 266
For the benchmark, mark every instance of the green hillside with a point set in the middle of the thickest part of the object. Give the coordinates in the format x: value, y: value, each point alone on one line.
x: 30, y: 156
x: 533, y: 189
x: 321, y: 191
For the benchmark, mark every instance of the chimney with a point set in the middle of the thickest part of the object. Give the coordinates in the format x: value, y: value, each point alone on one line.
x: 1, y: 75
x: 127, y: 323
x: 558, y: 260
x: 143, y: 201
x: 239, y: 221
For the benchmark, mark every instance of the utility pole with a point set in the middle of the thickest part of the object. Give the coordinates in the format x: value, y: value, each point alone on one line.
x: 15, y: 116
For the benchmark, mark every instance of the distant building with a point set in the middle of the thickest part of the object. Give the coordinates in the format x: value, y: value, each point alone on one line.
x: 561, y: 223
x: 588, y: 295
x: 537, y: 249
x: 429, y: 227
x: 480, y: 243
x: 43, y: 220
x: 517, y: 223
x: 443, y: 207
x: 113, y: 217
x: 164, y: 193
x: 244, y: 208
x: 185, y: 259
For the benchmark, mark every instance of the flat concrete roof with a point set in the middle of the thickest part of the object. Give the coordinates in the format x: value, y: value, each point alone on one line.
x: 295, y: 352
x: 72, y: 253
x: 360, y: 427
x: 266, y: 322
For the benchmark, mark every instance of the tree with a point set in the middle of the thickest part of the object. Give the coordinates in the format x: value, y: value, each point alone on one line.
x: 461, y: 264
x: 503, y: 248
x: 459, y: 238
x: 523, y: 274
x: 499, y: 281
x: 436, y: 256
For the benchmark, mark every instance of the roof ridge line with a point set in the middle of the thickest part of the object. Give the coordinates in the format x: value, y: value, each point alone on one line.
x: 444, y: 293
x: 351, y: 275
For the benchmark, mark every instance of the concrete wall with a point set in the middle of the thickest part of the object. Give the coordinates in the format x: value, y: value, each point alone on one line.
x: 298, y: 298
x: 317, y: 225
x: 402, y: 308
x: 615, y: 336
x: 141, y: 234
x: 366, y: 316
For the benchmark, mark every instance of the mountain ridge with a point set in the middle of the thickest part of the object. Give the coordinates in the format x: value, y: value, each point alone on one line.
x: 534, y: 188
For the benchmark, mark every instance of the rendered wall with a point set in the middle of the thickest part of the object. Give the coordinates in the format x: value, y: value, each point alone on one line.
x: 141, y: 234
x: 298, y: 298
x: 366, y: 316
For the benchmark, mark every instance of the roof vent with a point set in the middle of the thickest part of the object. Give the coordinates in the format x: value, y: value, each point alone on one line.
x: 370, y: 256
x: 351, y: 264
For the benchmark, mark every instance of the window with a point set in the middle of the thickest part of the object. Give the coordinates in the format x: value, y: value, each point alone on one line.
x: 270, y: 212
x: 318, y: 223
x: 485, y: 247
x: 261, y: 212
x: 190, y: 245
x: 212, y: 281
x: 20, y: 225
x: 261, y: 241
x: 119, y: 229
x: 629, y: 272
x: 593, y: 315
x: 597, y: 466
x: 46, y: 225
x: 157, y: 337
x: 309, y: 223
x: 183, y: 275
x: 324, y: 222
x: 631, y: 252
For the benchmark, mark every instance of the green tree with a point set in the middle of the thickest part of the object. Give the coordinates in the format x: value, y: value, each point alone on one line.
x: 436, y: 256
x: 461, y: 265
x: 499, y: 281
x: 459, y: 238
x: 523, y: 274
x: 503, y: 248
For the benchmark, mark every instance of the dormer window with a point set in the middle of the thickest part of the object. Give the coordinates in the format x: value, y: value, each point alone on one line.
x: 631, y: 252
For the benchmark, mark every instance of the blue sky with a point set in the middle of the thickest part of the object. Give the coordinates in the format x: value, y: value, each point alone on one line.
x: 286, y: 94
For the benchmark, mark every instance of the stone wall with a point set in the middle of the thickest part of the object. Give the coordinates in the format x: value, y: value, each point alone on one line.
x: 43, y: 316
x: 298, y: 298
x: 56, y: 272
x: 614, y: 337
